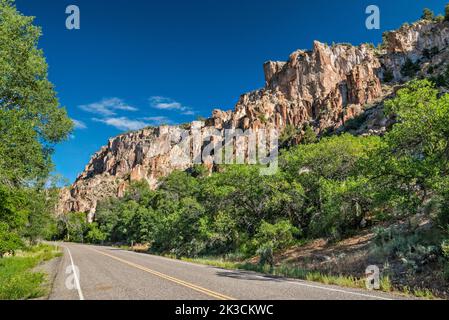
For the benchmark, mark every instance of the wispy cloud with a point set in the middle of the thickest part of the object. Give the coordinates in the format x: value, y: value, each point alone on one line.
x: 123, y: 123
x: 107, y: 107
x: 158, y: 120
x: 79, y: 124
x: 164, y: 103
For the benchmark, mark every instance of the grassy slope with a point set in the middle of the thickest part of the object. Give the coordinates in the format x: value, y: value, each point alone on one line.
x: 17, y: 279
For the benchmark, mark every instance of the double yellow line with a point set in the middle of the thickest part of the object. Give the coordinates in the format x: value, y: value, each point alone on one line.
x: 192, y: 286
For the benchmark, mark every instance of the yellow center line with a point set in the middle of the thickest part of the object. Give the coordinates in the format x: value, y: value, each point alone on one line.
x: 192, y: 286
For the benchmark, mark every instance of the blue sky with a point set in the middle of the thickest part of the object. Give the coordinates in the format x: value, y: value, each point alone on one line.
x: 136, y: 62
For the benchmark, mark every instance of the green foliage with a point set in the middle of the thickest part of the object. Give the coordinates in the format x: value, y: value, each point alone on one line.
x: 331, y: 188
x: 413, y: 248
x: 266, y: 255
x: 94, y: 234
x: 419, y: 142
x: 442, y: 79
x: 388, y: 76
x: 355, y: 123
x: 439, y: 18
x: 31, y: 118
x: 31, y: 122
x: 309, y: 135
x: 277, y: 236
x: 72, y: 227
x: 427, y: 15
x: 410, y: 68
x: 17, y: 281
x: 9, y: 241
x: 446, y: 13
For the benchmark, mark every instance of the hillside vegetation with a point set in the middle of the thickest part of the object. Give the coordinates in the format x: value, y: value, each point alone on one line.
x: 31, y: 123
x: 333, y: 188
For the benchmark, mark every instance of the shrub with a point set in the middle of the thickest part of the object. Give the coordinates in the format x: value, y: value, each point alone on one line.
x: 266, y: 255
x: 95, y: 235
x: 388, y: 76
x: 278, y: 236
x: 9, y: 241
x: 410, y: 68
x: 427, y: 15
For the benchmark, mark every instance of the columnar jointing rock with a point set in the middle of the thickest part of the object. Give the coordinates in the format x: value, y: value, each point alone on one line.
x: 323, y: 87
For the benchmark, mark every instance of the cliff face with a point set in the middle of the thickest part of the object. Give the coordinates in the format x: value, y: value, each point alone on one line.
x: 323, y: 87
x: 424, y: 43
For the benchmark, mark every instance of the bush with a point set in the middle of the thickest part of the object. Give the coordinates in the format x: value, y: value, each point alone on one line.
x: 278, y: 236
x: 413, y: 248
x: 388, y: 76
x: 9, y: 241
x: 427, y: 15
x: 266, y: 256
x: 95, y: 235
x: 410, y: 68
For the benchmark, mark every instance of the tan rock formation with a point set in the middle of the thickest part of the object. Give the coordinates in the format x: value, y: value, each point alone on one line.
x: 325, y: 87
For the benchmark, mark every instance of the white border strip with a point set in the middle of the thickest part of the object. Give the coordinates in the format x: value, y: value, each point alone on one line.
x: 340, y: 291
x: 77, y: 282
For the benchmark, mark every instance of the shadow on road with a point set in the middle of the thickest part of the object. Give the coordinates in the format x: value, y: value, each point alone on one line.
x: 248, y: 275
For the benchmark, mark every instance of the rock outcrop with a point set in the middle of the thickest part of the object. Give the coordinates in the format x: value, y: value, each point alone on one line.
x: 324, y: 87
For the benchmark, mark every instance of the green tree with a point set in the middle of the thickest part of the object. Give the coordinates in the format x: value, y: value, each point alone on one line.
x: 428, y: 15
x: 32, y: 119
x: 73, y: 226
x: 31, y: 122
x: 94, y: 234
x: 409, y: 171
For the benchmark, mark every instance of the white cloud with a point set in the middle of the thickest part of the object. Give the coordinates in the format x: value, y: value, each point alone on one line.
x: 158, y: 120
x: 79, y: 124
x: 123, y: 123
x: 164, y: 103
x: 107, y: 107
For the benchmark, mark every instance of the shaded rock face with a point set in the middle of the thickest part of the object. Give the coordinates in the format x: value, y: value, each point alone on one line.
x: 324, y: 87
x: 412, y: 42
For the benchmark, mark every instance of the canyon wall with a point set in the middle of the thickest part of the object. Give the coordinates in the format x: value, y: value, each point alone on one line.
x: 324, y: 87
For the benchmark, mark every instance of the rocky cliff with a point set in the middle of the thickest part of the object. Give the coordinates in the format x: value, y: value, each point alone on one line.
x: 324, y: 87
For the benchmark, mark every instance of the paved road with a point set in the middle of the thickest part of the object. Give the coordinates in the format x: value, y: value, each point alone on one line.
x: 109, y: 273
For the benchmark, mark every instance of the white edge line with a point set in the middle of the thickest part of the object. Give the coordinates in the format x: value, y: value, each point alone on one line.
x: 77, y: 282
x: 340, y: 290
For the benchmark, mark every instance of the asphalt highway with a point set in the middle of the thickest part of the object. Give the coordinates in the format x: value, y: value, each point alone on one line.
x: 106, y: 273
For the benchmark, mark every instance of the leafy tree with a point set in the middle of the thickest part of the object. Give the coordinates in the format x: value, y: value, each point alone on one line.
x: 73, y: 226
x: 418, y: 144
x: 32, y: 119
x: 95, y: 235
x: 31, y: 122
